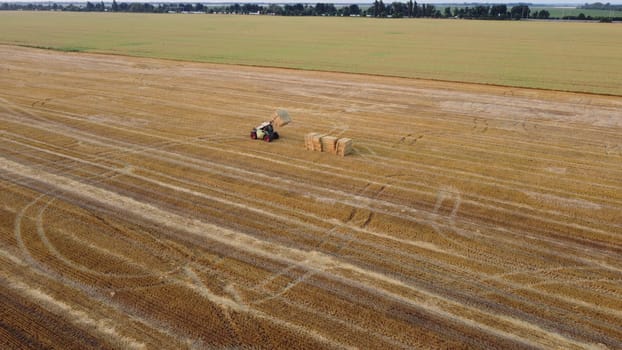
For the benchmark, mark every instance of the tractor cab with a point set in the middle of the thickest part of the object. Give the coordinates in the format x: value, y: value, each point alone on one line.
x: 265, y: 131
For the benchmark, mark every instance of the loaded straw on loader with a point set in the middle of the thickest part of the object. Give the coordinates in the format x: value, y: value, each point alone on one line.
x: 265, y: 131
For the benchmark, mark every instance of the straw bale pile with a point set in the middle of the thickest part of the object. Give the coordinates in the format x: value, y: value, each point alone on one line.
x: 325, y: 143
x: 281, y: 118
x: 329, y: 144
x: 344, y: 147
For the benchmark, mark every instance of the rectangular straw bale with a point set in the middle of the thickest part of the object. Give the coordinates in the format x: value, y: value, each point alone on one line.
x: 344, y: 146
x: 329, y: 144
x: 281, y: 118
x: 309, y: 140
x: 317, y: 142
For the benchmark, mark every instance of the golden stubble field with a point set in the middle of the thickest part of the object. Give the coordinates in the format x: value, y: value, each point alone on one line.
x: 135, y: 211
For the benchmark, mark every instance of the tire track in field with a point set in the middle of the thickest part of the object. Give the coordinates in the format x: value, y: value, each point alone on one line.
x: 557, y: 222
x: 397, y: 207
x: 228, y: 303
x: 316, y: 262
x: 74, y: 265
x: 414, y: 243
x: 427, y: 246
x: 317, y: 314
x: 490, y: 179
x: 210, y: 296
x: 51, y: 249
x: 81, y: 318
x: 255, y: 313
x: 387, y: 147
x: 332, y: 82
x: 155, y: 329
x: 382, y: 160
x: 426, y: 92
x: 218, y: 300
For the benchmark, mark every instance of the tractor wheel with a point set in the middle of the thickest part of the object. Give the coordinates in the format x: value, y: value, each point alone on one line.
x: 267, y: 138
x: 254, y: 135
x: 275, y: 135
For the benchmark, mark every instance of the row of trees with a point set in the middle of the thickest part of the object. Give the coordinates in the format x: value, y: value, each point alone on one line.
x: 409, y: 9
x: 398, y: 10
x: 497, y: 12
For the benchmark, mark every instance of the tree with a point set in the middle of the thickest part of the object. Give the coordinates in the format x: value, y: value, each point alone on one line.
x: 520, y: 11
x: 354, y: 10
x: 322, y: 9
x: 115, y: 6
x: 499, y: 11
x: 447, y: 12
x: 275, y: 9
x: 235, y: 8
x: 481, y: 11
x: 399, y: 10
x: 544, y: 14
x: 379, y: 10
x: 294, y: 10
x: 428, y: 10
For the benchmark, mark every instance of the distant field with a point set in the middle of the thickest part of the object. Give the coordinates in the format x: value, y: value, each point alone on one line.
x: 563, y: 56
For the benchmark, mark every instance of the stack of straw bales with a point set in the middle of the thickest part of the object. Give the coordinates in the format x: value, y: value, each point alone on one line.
x: 344, y: 147
x: 281, y: 118
x: 326, y: 143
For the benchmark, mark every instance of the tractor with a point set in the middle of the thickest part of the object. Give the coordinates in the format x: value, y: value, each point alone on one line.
x: 265, y: 131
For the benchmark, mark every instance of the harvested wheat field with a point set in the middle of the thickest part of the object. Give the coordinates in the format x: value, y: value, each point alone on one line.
x: 136, y: 212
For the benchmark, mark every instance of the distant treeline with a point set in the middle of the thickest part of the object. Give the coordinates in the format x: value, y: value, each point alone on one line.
x: 601, y: 6
x: 409, y: 9
x: 378, y: 8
